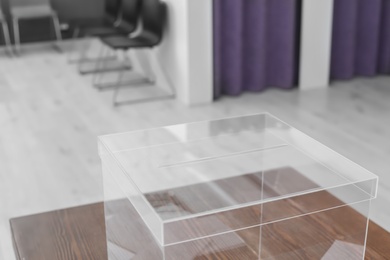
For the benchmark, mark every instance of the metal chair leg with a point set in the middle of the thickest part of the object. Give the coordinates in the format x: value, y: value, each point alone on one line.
x: 75, y: 35
x: 15, y: 23
x: 7, y: 38
x: 162, y: 81
x: 83, y: 53
x: 100, y: 65
x: 101, y: 69
x: 82, y: 57
x: 116, y: 91
x: 57, y: 29
x: 126, y: 66
x: 116, y: 67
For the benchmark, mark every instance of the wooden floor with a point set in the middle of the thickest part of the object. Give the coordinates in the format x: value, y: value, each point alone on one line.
x: 50, y: 117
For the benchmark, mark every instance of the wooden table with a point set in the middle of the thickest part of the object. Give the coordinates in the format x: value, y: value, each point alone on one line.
x: 79, y: 233
x: 75, y: 233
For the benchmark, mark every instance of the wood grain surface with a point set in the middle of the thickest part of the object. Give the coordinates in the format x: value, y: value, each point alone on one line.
x: 76, y: 233
x: 79, y: 233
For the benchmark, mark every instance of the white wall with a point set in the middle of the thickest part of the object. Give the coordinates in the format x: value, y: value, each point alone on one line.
x: 200, y: 40
x: 186, y: 51
x: 316, y: 35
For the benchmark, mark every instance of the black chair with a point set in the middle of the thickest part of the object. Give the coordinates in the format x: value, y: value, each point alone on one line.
x: 105, y: 25
x: 153, y: 14
x: 152, y: 19
x: 33, y: 9
x: 120, y: 19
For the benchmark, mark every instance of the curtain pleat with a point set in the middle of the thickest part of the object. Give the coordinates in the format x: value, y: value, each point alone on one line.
x: 254, y: 57
x: 281, y: 37
x: 229, y: 45
x: 255, y: 45
x: 384, y: 46
x: 360, y: 40
x: 343, y: 39
x: 367, y: 39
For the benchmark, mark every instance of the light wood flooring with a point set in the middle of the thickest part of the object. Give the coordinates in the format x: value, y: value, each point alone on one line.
x: 50, y: 117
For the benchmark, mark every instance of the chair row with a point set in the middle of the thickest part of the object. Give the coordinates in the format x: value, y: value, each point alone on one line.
x: 128, y: 24
x: 20, y: 10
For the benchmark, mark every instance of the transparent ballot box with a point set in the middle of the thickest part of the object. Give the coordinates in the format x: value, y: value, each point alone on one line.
x: 248, y: 187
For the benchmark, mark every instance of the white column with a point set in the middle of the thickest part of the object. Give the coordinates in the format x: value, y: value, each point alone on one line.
x: 316, y: 36
x: 186, y: 53
x: 200, y: 40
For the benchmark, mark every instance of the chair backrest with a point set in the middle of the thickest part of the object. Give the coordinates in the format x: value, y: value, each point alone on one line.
x: 153, y: 15
x: 129, y: 14
x: 1, y: 15
x: 22, y: 3
x: 113, y: 8
x: 130, y: 11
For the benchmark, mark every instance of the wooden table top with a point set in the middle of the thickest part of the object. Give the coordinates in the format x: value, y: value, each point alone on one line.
x: 74, y: 233
x: 79, y: 233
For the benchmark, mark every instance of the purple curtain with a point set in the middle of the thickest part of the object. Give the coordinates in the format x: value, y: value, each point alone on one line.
x: 384, y: 46
x: 255, y: 45
x: 361, y: 38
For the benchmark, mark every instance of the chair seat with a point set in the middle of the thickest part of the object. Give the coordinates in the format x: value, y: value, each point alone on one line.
x: 143, y: 40
x: 106, y: 28
x: 102, y: 31
x: 127, y: 27
x: 35, y: 11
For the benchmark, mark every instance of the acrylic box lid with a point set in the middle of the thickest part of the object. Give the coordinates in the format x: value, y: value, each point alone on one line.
x: 199, y: 177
